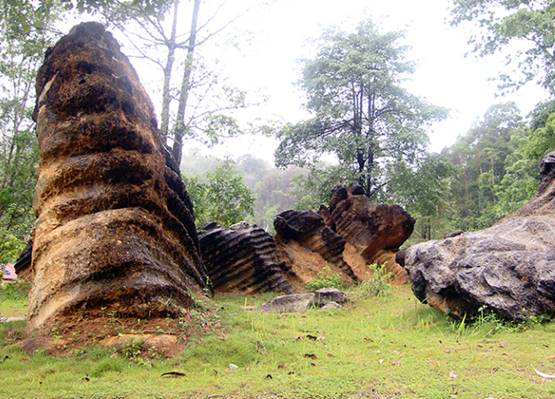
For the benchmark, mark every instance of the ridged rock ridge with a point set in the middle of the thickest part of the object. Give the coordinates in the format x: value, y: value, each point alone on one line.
x: 243, y: 259
x: 299, y: 232
x: 370, y: 229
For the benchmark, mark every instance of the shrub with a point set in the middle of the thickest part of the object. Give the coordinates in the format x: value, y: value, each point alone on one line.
x: 325, y: 279
x: 377, y: 285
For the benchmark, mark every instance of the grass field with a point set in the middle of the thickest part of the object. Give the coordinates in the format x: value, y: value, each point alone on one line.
x: 380, y: 347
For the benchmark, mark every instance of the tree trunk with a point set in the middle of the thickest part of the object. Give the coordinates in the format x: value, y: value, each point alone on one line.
x: 185, y: 86
x: 166, y: 97
x: 369, y: 170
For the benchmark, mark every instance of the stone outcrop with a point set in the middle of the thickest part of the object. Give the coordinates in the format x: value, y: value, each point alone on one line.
x: 370, y: 229
x: 508, y: 268
x: 243, y: 259
x: 115, y: 228
x: 309, y: 245
x: 324, y: 298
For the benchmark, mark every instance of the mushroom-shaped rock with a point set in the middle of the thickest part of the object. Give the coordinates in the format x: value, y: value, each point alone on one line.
x: 243, y: 259
x: 309, y: 245
x: 368, y: 229
x: 508, y: 268
x: 115, y: 229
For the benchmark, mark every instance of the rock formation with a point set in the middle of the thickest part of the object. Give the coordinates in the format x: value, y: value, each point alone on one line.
x: 243, y: 259
x: 508, y: 268
x: 308, y: 245
x: 115, y: 227
x: 374, y: 232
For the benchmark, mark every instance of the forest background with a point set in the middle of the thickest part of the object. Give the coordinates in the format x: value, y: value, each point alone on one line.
x: 360, y: 122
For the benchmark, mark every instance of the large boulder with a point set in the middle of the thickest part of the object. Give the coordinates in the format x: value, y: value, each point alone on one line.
x: 508, y: 268
x: 370, y: 229
x: 243, y: 259
x: 115, y: 229
x: 309, y: 245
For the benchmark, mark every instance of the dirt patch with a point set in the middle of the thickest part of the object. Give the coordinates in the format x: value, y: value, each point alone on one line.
x: 162, y: 336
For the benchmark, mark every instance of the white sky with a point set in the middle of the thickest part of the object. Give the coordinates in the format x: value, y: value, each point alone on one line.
x: 280, y: 36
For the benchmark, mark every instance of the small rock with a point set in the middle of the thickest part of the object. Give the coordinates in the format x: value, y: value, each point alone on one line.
x: 232, y: 367
x: 289, y: 303
x: 326, y: 295
x: 331, y: 305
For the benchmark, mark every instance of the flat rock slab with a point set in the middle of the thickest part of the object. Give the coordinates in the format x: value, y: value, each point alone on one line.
x: 324, y: 296
x: 302, y: 302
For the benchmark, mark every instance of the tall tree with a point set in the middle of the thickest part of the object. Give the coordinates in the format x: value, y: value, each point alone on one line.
x: 196, y: 102
x: 504, y: 23
x: 361, y: 112
x: 480, y: 156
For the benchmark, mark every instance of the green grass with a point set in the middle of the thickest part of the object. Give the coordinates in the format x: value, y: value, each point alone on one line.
x: 13, y: 298
x: 380, y: 347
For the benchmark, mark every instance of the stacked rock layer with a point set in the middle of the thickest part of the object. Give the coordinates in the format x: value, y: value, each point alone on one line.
x: 309, y: 245
x: 374, y: 232
x: 115, y: 227
x: 243, y: 259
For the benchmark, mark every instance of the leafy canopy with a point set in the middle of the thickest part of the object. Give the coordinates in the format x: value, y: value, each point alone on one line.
x: 360, y: 111
x: 503, y: 23
x: 223, y: 197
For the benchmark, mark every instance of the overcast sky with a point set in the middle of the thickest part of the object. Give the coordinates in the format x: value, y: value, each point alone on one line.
x: 281, y: 33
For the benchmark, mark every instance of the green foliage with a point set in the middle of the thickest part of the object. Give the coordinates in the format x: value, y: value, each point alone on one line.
x: 10, y: 246
x: 26, y: 28
x: 499, y: 25
x: 378, y: 285
x: 424, y: 190
x: 17, y: 291
x: 272, y: 188
x: 361, y: 112
x: 325, y: 279
x: 313, y: 188
x: 223, y: 197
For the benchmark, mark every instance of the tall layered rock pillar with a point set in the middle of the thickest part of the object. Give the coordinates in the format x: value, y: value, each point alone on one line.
x: 115, y: 228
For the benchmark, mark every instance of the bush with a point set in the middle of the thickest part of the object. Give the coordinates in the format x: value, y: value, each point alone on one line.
x: 17, y: 291
x: 325, y: 279
x: 377, y: 285
x: 10, y: 246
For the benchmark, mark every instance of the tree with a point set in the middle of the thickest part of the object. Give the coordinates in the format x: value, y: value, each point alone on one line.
x: 480, y: 157
x: 222, y: 198
x: 361, y: 112
x: 196, y: 102
x: 26, y: 30
x: 504, y: 23
x: 424, y: 190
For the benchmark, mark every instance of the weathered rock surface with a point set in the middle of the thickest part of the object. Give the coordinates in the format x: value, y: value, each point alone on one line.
x: 509, y: 267
x: 326, y: 295
x: 243, y: 259
x: 289, y: 303
x: 309, y: 245
x: 325, y: 298
x: 371, y: 229
x: 115, y: 227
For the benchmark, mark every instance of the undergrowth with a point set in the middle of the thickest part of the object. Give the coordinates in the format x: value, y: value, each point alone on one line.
x: 378, y: 347
x: 377, y: 285
x: 326, y: 279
